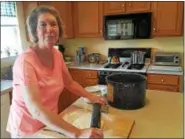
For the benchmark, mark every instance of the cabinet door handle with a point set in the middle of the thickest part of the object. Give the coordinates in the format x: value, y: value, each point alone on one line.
x: 101, y: 32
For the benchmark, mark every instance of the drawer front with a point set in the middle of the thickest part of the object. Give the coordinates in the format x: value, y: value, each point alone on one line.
x: 91, y: 82
x: 163, y: 87
x: 163, y: 79
x: 90, y: 74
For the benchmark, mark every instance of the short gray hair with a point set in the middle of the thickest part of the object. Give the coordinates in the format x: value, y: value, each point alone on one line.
x: 32, y: 21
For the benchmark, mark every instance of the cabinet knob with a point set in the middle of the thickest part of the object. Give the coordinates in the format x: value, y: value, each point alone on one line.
x: 129, y: 4
x: 90, y: 75
x: 123, y: 5
x: 162, y: 80
x: 154, y: 29
x: 101, y: 32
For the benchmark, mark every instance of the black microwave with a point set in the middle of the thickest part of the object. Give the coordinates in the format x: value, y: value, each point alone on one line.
x: 127, y: 26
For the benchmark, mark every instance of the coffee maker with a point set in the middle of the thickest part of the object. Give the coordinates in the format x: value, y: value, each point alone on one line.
x: 61, y: 48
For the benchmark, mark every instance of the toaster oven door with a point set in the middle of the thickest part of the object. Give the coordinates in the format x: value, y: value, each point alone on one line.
x: 167, y: 60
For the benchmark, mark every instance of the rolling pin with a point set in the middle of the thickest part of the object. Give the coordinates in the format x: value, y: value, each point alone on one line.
x: 96, y: 116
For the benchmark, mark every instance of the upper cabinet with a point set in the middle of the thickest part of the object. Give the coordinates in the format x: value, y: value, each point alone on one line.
x: 113, y: 7
x: 167, y: 18
x: 125, y: 7
x: 65, y: 11
x: 27, y: 8
x: 87, y: 19
x: 138, y: 6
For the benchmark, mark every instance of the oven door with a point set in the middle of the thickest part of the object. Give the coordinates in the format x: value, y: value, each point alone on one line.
x: 102, y: 80
x: 166, y: 59
x: 102, y: 76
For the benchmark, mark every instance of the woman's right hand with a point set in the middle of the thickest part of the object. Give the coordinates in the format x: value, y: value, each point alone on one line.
x: 91, y: 133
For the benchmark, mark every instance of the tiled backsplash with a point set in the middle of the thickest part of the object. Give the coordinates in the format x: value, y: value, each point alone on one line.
x: 167, y: 44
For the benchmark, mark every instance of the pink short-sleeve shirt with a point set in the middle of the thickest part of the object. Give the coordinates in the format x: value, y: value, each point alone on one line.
x: 28, y: 70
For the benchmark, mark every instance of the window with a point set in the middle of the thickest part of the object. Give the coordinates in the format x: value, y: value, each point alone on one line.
x: 10, y: 35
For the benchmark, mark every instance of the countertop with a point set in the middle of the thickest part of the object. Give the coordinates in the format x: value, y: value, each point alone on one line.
x: 169, y: 70
x: 161, y: 117
x: 6, y: 86
x: 90, y: 66
x: 146, y: 69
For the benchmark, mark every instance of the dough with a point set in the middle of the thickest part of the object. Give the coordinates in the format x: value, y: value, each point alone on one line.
x: 84, y: 121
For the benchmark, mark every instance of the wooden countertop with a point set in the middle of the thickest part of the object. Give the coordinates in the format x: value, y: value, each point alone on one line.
x: 161, y: 117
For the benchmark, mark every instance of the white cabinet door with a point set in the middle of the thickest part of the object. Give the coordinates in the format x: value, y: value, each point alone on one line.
x: 5, y: 107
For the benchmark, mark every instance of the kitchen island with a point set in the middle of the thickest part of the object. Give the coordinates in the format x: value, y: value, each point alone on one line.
x: 161, y: 117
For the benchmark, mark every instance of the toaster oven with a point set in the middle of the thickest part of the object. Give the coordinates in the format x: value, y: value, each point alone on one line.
x: 167, y: 59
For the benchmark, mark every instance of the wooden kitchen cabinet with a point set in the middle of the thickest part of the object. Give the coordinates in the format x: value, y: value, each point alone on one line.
x: 5, y: 109
x: 27, y: 8
x: 164, y: 82
x: 163, y: 87
x: 140, y: 6
x: 113, y: 7
x: 64, y: 100
x: 88, y: 18
x: 65, y: 10
x: 84, y: 78
x: 90, y: 77
x: 167, y: 18
x: 126, y: 7
x: 77, y: 76
x: 66, y: 97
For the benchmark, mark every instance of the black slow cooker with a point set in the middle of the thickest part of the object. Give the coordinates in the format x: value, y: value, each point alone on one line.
x: 126, y: 90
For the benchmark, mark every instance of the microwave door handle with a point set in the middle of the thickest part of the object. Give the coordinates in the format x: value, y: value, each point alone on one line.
x: 105, y: 31
x: 135, y: 29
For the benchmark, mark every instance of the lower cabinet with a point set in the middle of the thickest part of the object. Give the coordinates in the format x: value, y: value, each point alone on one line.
x: 164, y: 82
x: 66, y: 99
x: 5, y: 108
x: 84, y: 78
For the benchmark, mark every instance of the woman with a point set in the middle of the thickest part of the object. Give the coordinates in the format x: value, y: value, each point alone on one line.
x: 39, y: 76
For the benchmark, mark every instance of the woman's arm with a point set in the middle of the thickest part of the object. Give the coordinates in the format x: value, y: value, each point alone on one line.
x: 39, y: 112
x: 76, y: 88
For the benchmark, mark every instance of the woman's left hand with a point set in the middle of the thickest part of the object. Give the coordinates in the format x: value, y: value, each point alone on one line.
x: 97, y: 99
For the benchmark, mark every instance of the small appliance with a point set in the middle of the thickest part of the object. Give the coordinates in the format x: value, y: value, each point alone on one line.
x: 167, y: 59
x: 127, y: 26
x: 93, y: 58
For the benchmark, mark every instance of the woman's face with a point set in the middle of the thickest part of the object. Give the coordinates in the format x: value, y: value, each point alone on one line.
x: 47, y: 30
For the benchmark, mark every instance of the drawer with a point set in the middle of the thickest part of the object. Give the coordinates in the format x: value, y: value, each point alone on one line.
x: 90, y: 82
x: 90, y: 74
x: 163, y: 87
x: 163, y: 79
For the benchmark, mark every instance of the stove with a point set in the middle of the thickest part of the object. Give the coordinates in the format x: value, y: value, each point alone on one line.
x: 114, y: 66
x: 125, y: 63
x: 136, y: 66
x: 125, y: 66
